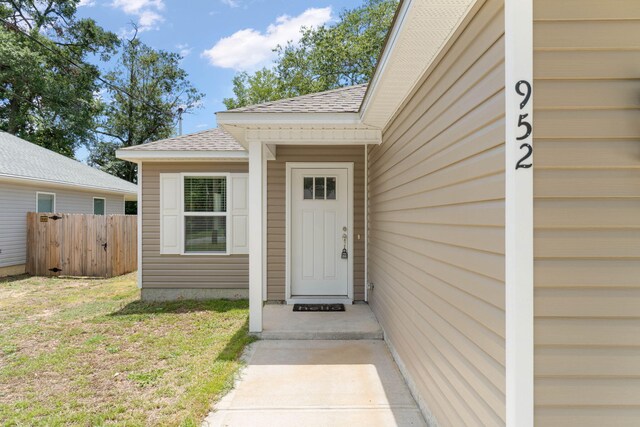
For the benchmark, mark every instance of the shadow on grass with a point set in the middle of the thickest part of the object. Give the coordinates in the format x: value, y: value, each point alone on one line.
x: 234, y: 348
x: 10, y: 279
x: 181, y: 306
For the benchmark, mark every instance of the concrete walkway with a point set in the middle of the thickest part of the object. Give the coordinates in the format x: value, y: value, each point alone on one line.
x: 318, y: 383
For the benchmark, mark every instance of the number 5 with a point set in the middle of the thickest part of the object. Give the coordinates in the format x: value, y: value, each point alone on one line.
x: 527, y: 125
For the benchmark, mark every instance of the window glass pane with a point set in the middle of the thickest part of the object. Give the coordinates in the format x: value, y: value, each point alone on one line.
x: 98, y: 206
x: 331, y: 188
x: 205, y: 194
x: 45, y: 203
x: 307, y: 186
x: 205, y: 234
x: 319, y: 188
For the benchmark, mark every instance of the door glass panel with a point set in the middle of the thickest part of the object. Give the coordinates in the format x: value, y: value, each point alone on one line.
x: 319, y: 194
x: 308, y: 187
x: 331, y: 188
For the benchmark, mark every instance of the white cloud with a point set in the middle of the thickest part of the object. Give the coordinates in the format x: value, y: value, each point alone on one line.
x: 183, y: 49
x: 147, y: 11
x: 231, y: 3
x: 248, y: 49
x: 134, y: 7
x: 86, y: 3
x: 149, y: 18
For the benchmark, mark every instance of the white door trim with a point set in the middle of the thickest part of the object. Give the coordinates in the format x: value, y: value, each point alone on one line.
x: 318, y: 165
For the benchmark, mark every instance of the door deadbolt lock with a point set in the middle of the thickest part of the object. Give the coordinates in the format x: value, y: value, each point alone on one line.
x: 344, y: 254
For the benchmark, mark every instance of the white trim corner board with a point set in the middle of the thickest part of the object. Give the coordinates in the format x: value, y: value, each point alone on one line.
x: 139, y: 209
x: 519, y: 213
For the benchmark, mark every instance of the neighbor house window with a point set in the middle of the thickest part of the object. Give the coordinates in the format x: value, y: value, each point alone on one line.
x: 98, y: 205
x: 45, y: 202
x: 205, y: 214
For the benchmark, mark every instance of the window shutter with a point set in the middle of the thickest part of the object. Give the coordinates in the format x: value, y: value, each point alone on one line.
x: 239, y: 213
x: 170, y: 194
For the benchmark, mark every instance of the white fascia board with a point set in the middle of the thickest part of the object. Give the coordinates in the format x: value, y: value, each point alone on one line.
x: 66, y: 185
x: 182, y: 155
x: 287, y: 119
x: 383, y: 100
x: 384, y: 58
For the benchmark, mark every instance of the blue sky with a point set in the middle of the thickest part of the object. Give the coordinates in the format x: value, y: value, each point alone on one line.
x: 216, y: 37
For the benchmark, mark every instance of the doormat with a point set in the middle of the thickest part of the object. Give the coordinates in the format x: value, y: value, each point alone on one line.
x: 318, y: 307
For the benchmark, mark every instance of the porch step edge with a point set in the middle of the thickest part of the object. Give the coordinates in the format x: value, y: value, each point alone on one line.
x: 373, y: 335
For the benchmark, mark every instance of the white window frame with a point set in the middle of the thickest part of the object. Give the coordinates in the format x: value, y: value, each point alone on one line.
x: 105, y: 205
x: 226, y: 214
x: 38, y: 193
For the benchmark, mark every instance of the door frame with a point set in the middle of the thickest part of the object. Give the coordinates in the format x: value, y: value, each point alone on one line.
x: 288, y: 235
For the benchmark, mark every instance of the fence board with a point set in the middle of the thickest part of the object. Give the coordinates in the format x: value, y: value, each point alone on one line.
x: 81, y: 245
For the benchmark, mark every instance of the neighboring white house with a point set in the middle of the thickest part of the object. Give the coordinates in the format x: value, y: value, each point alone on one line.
x: 34, y: 179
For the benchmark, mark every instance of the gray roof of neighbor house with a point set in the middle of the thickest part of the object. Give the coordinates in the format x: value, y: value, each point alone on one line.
x: 342, y: 100
x: 207, y: 140
x: 23, y: 160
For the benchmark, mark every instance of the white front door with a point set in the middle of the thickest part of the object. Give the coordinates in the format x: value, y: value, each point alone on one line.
x: 320, y: 232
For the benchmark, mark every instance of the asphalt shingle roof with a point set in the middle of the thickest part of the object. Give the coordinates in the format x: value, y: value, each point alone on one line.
x: 208, y: 140
x: 342, y: 100
x: 22, y: 159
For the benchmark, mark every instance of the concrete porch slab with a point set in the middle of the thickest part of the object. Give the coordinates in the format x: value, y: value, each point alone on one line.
x: 318, y: 383
x: 280, y: 322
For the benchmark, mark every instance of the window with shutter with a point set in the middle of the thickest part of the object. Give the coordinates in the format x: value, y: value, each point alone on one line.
x: 204, y: 213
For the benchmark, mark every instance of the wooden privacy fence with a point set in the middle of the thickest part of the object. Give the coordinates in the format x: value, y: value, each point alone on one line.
x: 81, y: 245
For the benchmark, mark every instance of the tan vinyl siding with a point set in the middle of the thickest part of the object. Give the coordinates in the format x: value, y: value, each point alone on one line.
x: 18, y: 199
x: 587, y: 212
x: 184, y: 271
x: 276, y: 201
x: 436, y: 236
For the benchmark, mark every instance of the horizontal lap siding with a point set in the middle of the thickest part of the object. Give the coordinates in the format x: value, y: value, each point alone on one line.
x: 587, y: 212
x: 436, y: 229
x: 18, y: 199
x: 184, y: 271
x: 276, y: 217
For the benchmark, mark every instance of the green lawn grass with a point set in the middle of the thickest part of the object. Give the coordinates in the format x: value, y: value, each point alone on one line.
x: 88, y: 352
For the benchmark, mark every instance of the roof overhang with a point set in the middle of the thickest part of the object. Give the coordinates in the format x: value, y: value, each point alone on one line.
x: 129, y: 195
x: 298, y: 128
x: 181, y: 155
x: 421, y: 30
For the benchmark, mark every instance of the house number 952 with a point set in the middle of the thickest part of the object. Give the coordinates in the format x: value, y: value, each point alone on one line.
x: 523, y: 88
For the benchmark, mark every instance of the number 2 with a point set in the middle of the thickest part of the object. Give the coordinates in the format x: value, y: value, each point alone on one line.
x: 525, y: 157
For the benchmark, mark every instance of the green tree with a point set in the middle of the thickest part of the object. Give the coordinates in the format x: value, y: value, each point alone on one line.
x: 47, y: 86
x: 145, y: 90
x: 326, y: 57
